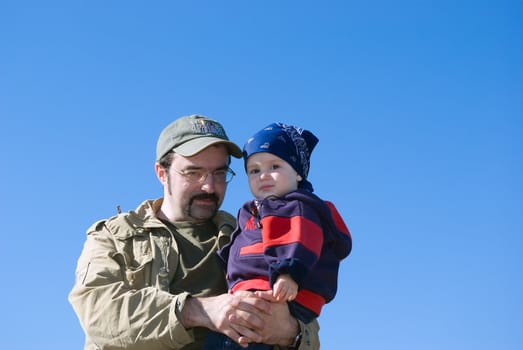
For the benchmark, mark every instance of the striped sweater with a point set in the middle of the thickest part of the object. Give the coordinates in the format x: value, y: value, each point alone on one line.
x: 297, y: 234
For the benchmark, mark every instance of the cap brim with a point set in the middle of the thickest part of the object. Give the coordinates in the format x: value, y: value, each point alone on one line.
x: 194, y: 146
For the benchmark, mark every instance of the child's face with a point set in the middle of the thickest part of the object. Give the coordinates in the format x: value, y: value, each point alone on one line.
x: 270, y: 175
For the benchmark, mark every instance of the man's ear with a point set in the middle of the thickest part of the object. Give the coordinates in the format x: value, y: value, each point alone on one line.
x: 161, y: 173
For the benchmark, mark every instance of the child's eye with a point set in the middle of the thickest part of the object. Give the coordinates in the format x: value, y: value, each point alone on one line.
x: 275, y: 166
x: 253, y: 171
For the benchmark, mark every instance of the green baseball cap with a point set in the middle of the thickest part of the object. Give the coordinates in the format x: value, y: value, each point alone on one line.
x: 189, y: 135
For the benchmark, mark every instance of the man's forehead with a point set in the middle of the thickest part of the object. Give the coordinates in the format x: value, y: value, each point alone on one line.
x: 215, y: 155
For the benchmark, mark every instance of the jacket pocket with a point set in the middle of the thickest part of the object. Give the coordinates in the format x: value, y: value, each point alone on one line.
x: 140, y: 276
x: 135, y: 256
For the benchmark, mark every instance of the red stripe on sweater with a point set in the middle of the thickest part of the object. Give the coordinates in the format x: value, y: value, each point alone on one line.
x: 310, y: 300
x: 259, y: 283
x: 256, y: 248
x: 297, y: 229
x: 340, y: 224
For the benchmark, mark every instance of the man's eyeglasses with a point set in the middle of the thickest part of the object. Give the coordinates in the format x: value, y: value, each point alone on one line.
x: 220, y: 176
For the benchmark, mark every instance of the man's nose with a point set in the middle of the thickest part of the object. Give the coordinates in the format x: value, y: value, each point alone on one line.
x: 208, y: 183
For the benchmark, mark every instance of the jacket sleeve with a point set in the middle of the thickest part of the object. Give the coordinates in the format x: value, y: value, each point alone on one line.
x: 115, y: 316
x: 310, y: 336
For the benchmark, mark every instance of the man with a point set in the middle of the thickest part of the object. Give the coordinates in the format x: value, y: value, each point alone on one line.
x: 149, y: 279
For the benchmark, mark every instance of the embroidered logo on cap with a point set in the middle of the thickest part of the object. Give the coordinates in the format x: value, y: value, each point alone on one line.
x: 208, y: 127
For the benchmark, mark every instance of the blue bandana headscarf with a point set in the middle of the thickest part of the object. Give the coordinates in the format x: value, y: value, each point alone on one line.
x: 292, y: 144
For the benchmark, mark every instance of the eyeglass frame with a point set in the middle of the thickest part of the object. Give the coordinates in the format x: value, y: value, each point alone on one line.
x: 205, y: 174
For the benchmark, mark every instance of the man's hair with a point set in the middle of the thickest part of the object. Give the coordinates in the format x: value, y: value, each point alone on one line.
x: 167, y: 160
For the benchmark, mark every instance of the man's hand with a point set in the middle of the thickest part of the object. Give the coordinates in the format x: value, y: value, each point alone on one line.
x: 244, y: 317
x: 241, y: 317
x: 280, y: 326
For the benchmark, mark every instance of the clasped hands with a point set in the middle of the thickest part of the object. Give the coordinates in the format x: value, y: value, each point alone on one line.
x: 250, y: 317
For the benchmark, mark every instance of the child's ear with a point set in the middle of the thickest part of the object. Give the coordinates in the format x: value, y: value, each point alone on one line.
x: 299, y: 178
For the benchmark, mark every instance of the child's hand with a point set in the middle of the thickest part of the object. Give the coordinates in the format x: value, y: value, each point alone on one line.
x: 285, y: 289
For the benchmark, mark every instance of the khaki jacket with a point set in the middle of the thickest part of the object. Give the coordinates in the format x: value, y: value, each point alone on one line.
x: 123, y: 281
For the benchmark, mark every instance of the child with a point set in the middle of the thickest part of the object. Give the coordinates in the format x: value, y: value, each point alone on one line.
x: 287, y: 239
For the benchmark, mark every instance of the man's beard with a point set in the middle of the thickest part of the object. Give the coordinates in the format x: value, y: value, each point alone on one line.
x: 200, y: 212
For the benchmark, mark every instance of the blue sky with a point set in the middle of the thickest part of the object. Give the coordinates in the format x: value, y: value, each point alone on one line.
x: 417, y: 105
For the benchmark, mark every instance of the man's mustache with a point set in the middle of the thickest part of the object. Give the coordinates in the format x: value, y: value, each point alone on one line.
x: 210, y: 196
